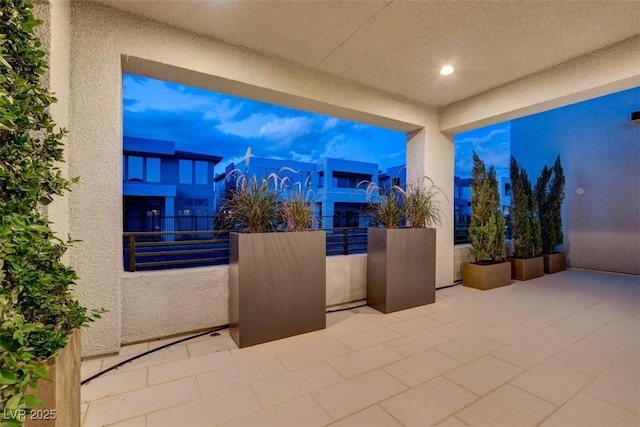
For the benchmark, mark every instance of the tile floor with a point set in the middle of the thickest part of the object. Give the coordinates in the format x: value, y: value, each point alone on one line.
x: 561, y: 350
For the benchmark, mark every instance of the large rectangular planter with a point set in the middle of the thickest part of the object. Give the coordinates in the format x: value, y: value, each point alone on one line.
x: 277, y: 285
x: 555, y: 262
x: 527, y: 268
x: 401, y: 267
x: 485, y: 277
x: 61, y: 390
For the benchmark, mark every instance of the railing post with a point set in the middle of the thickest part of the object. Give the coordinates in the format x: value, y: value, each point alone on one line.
x: 345, y: 242
x: 132, y: 253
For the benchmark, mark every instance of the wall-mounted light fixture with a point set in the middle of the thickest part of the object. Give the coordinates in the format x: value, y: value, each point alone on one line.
x: 580, y: 191
x: 635, y: 117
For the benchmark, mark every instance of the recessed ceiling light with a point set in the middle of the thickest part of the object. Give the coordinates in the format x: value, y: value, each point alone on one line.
x: 446, y: 70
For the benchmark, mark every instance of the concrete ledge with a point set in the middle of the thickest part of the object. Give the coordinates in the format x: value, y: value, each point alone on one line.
x: 158, y: 304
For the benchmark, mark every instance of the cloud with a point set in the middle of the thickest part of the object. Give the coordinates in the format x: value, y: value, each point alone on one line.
x: 286, y: 129
x: 224, y: 125
x: 330, y: 124
x: 492, y: 144
x: 282, y: 130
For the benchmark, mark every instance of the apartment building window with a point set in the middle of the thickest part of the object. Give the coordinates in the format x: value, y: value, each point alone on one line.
x: 193, y: 172
x: 153, y: 169
x: 141, y: 169
x: 202, y: 172
x: 348, y: 180
x: 186, y: 171
x: 320, y: 179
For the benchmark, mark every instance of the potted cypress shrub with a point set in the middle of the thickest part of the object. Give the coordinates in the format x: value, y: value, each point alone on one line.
x: 526, y: 262
x: 486, y: 232
x: 401, y: 260
x: 277, y: 278
x: 39, y: 315
x: 549, y: 191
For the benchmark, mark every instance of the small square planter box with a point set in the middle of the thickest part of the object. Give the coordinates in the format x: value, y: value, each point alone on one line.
x: 400, y: 268
x: 485, y: 277
x: 277, y: 285
x: 61, y: 390
x: 555, y: 262
x: 527, y: 268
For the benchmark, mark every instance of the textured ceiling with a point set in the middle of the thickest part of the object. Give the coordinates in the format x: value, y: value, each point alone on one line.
x: 399, y: 46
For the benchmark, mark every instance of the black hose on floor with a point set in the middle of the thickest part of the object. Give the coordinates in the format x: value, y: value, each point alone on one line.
x: 131, y: 359
x: 213, y: 331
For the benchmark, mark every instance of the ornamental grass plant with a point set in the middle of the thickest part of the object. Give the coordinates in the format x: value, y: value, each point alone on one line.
x: 416, y: 206
x: 422, y: 205
x: 268, y: 205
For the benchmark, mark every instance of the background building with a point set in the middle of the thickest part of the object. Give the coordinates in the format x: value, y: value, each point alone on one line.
x: 164, y: 189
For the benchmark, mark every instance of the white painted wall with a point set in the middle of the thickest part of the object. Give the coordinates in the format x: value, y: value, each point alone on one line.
x: 161, y: 303
x: 104, y: 42
x: 600, y: 151
x: 58, y: 44
x: 602, y: 72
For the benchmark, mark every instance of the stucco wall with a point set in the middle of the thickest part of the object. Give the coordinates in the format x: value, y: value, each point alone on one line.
x: 161, y: 303
x: 105, y: 42
x: 600, y: 152
x: 57, y: 43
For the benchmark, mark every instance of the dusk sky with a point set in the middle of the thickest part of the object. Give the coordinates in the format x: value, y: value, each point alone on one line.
x: 491, y: 143
x: 210, y: 122
x: 215, y: 123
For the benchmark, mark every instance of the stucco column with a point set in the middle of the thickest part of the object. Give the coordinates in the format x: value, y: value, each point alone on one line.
x: 430, y: 153
x: 95, y: 155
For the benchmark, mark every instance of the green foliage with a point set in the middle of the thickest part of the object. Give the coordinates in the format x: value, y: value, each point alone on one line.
x: 487, y: 226
x: 549, y: 191
x: 37, y: 309
x: 422, y: 203
x: 525, y: 224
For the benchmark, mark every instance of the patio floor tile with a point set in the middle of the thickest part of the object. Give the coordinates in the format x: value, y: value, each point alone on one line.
x: 563, y: 349
x: 357, y: 393
x: 428, y: 403
x: 506, y: 406
x: 552, y: 382
x: 281, y: 388
x: 208, y: 411
x: 483, y: 375
x: 372, y: 416
x: 422, y: 367
x: 586, y: 411
x: 365, y: 360
x: 303, y: 411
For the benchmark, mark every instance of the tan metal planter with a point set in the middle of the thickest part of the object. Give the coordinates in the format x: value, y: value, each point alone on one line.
x: 527, y: 268
x: 400, y: 268
x: 555, y: 262
x: 485, y: 277
x: 277, y: 285
x: 61, y: 393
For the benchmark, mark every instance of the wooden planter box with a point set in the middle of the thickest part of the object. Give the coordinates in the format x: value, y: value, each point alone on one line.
x: 555, y: 262
x: 401, y: 265
x: 277, y: 285
x: 527, y: 268
x: 61, y: 393
x: 485, y: 277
